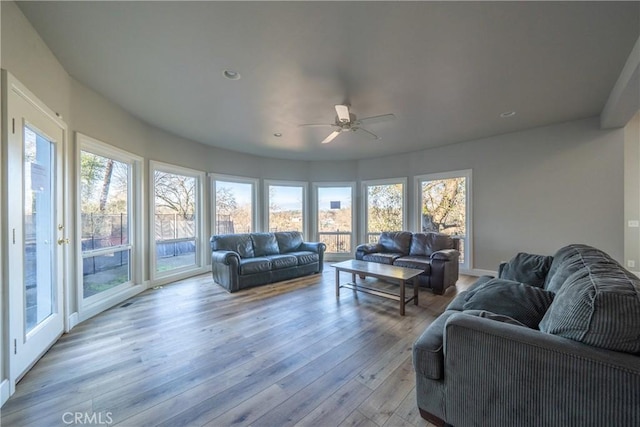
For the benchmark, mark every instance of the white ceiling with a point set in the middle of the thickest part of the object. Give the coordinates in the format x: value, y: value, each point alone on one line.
x: 446, y: 70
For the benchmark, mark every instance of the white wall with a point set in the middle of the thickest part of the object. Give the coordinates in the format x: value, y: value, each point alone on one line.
x: 533, y: 191
x: 632, y: 191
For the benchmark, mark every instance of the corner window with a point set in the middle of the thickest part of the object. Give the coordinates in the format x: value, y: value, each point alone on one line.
x: 445, y: 207
x: 177, y: 218
x: 286, y: 206
x: 384, y: 207
x: 108, y: 197
x: 335, y: 217
x: 234, y: 207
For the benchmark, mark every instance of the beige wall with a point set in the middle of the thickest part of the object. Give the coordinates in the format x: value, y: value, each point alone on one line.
x: 534, y: 190
x: 632, y: 191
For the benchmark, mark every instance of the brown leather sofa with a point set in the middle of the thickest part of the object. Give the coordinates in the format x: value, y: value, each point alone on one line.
x: 434, y: 253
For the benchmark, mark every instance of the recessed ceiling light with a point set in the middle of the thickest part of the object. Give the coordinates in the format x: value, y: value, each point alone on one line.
x: 507, y: 114
x: 277, y: 134
x: 231, y: 74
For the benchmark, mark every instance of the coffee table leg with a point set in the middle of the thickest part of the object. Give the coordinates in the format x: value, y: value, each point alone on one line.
x: 337, y: 283
x: 402, y: 298
x: 415, y: 290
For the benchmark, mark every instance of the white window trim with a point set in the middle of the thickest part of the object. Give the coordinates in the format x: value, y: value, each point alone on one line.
x: 88, y: 307
x: 255, y: 206
x: 467, y: 266
x: 201, y: 237
x: 365, y: 202
x: 314, y: 211
x: 305, y: 202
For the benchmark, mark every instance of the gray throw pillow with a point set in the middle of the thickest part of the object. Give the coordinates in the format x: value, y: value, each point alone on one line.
x: 527, y: 268
x: 524, y: 303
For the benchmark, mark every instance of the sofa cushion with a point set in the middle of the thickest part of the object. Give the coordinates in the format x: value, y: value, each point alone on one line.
x: 568, y: 260
x: 458, y: 302
x: 395, y: 241
x: 527, y: 268
x: 598, y: 305
x: 282, y: 261
x: 240, y: 243
x: 382, y: 257
x: 524, y: 303
x: 265, y: 244
x: 424, y: 244
x: 288, y: 241
x: 305, y: 257
x: 254, y: 265
x: 421, y: 263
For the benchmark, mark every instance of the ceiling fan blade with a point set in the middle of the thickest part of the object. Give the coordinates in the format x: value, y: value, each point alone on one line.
x: 377, y: 119
x: 306, y: 125
x: 343, y: 113
x: 371, y: 134
x: 331, y: 137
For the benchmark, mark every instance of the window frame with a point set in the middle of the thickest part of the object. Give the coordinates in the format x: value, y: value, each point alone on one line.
x: 467, y: 265
x: 88, y: 307
x: 255, y: 206
x: 305, y: 202
x: 365, y: 203
x: 200, y: 232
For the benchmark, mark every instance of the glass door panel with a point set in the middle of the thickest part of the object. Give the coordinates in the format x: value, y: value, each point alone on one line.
x: 39, y: 228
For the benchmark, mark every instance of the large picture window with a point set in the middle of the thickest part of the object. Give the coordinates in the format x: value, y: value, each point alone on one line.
x: 384, y: 207
x: 176, y: 218
x: 233, y: 205
x: 286, y: 203
x: 334, y: 215
x: 445, y: 207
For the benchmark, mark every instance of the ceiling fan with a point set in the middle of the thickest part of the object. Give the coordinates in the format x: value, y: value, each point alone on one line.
x: 347, y: 121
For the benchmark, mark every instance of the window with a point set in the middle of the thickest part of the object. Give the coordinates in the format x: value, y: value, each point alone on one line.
x: 445, y: 207
x: 334, y: 221
x: 108, y: 194
x: 384, y: 207
x: 176, y: 218
x: 286, y: 206
x: 233, y: 205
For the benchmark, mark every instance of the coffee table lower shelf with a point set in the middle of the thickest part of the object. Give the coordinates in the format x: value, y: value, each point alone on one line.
x: 391, y: 273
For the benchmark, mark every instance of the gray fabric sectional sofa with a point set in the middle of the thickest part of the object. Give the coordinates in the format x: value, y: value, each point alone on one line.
x: 553, y: 341
x: 434, y: 253
x: 245, y: 260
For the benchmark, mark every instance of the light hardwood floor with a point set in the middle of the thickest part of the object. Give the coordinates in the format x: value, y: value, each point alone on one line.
x: 190, y: 354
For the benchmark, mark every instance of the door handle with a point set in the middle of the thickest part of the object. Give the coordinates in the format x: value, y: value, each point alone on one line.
x: 62, y: 241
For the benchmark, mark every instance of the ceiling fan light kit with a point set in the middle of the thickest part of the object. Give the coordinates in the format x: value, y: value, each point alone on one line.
x: 347, y: 121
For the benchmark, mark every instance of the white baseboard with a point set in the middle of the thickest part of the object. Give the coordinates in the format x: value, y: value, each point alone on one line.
x: 92, y: 310
x: 159, y: 281
x: 637, y: 273
x: 5, y: 392
x: 72, y: 321
x: 478, y: 272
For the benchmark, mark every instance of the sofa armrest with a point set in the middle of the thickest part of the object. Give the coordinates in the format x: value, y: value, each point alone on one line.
x: 317, y: 247
x: 446, y: 255
x: 367, y: 248
x: 225, y: 257
x: 225, y: 269
x: 504, y: 375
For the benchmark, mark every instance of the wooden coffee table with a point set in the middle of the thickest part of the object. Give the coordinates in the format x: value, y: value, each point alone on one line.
x: 390, y: 273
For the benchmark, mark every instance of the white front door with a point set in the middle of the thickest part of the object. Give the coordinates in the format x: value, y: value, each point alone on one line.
x: 35, y: 227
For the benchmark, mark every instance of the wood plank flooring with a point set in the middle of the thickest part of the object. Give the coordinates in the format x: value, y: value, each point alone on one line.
x: 190, y: 354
